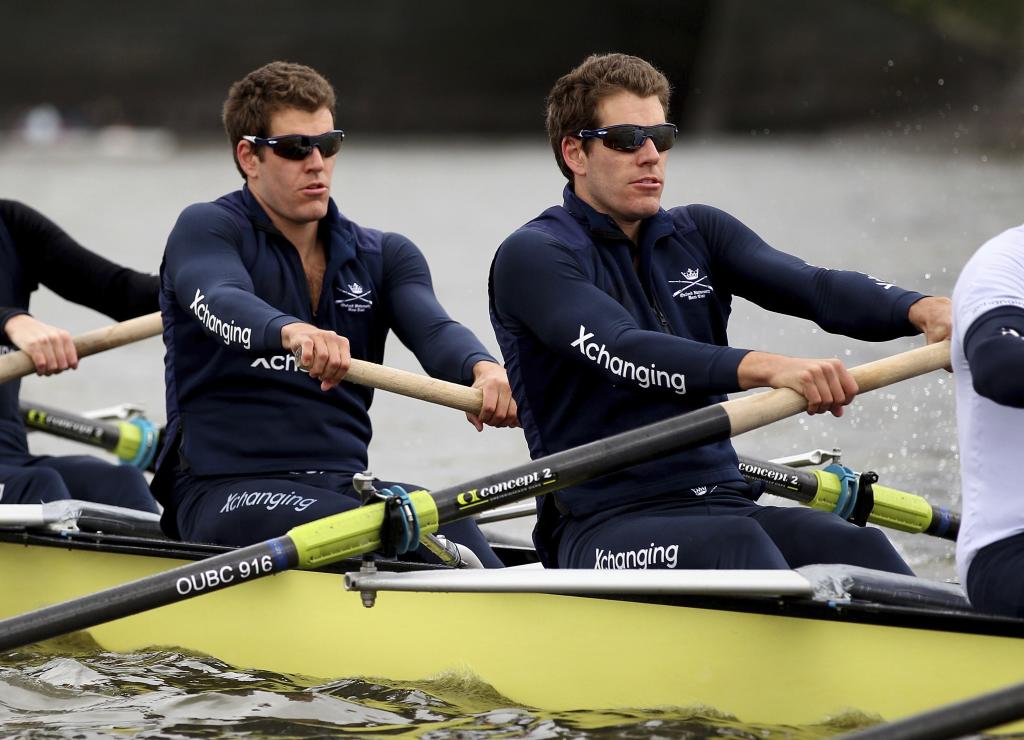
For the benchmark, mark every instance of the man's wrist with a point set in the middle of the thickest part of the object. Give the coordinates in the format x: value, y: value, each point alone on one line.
x: 755, y: 370
x: 6, y: 315
x: 280, y: 327
x: 914, y: 313
x: 927, y: 309
x: 484, y: 367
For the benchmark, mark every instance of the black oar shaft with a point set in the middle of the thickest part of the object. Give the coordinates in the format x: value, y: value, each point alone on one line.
x: 70, y: 426
x: 945, y: 523
x: 889, y: 507
x: 135, y: 442
x: 782, y: 480
x: 194, y: 579
x: 953, y: 720
x: 571, y: 467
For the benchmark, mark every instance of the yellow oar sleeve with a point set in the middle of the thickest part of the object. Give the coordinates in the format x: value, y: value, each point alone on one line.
x: 128, y: 442
x: 895, y: 509
x: 352, y: 533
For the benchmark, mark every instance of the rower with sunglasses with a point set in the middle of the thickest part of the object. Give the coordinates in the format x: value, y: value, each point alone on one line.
x: 611, y: 313
x: 267, y: 293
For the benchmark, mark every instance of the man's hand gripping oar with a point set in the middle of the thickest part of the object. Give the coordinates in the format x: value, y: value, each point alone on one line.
x: 325, y: 356
x: 19, y: 364
x: 22, y: 363
x: 355, y: 532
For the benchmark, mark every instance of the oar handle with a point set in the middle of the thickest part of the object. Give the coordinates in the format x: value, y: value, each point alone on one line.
x: 19, y: 364
x: 880, y: 373
x: 414, y: 385
x: 749, y: 412
x: 755, y: 411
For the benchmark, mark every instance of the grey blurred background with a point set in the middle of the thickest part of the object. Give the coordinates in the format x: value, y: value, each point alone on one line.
x: 948, y: 70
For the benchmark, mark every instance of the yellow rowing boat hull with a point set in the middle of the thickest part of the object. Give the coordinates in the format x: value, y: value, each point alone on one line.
x: 544, y: 651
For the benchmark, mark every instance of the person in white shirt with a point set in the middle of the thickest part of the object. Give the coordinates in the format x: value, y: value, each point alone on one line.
x: 988, y: 365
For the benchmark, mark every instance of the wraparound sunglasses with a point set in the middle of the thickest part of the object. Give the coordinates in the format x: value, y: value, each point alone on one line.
x: 628, y: 137
x: 300, y: 146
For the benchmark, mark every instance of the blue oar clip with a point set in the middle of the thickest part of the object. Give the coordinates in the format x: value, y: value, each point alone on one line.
x: 401, y: 524
x: 848, y: 481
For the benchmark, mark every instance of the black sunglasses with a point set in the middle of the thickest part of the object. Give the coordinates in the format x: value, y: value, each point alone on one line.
x: 628, y: 137
x: 300, y: 146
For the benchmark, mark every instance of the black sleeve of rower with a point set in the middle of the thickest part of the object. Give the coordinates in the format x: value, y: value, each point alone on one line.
x: 52, y: 258
x: 994, y: 347
x: 445, y: 348
x: 844, y: 302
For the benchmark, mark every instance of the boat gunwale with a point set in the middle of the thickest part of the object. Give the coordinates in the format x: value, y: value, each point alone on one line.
x: 857, y: 611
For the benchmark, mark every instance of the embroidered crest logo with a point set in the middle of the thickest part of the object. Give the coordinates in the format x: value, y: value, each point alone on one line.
x: 355, y: 299
x: 693, y: 285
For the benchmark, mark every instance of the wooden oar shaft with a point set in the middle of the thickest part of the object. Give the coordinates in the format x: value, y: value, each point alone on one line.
x: 744, y: 413
x: 751, y: 412
x: 19, y: 364
x: 414, y: 385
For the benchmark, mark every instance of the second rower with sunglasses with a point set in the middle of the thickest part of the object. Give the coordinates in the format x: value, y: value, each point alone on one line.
x: 624, y: 324
x: 266, y: 294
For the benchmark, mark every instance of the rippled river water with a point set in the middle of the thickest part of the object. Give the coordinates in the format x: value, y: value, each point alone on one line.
x: 851, y: 201
x: 69, y: 688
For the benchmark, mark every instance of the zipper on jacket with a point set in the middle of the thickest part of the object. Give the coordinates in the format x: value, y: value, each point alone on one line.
x: 640, y: 271
x: 661, y: 316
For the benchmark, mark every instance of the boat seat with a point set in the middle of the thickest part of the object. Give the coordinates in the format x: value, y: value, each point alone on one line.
x: 837, y: 582
x: 72, y: 515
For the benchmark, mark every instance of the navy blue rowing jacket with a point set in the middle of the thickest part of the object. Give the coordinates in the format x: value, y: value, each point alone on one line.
x: 230, y: 282
x: 594, y: 346
x: 35, y: 251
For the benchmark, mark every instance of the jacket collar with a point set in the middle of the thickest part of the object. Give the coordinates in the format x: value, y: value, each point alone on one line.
x: 336, y: 231
x: 602, y: 225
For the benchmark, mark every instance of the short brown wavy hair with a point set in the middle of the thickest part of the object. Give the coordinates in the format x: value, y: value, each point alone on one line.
x: 572, y: 102
x: 264, y: 91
